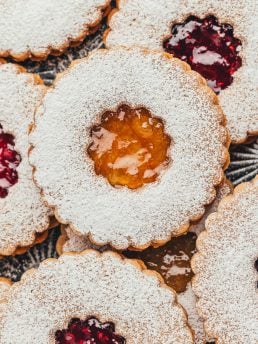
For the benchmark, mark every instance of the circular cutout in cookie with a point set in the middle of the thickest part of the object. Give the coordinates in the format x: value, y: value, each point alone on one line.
x: 89, y: 331
x: 209, y: 47
x: 9, y: 161
x: 129, y: 147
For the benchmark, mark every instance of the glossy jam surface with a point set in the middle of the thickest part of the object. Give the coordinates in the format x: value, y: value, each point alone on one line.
x: 129, y: 147
x: 90, y: 331
x: 172, y: 260
x: 9, y: 161
x: 209, y: 47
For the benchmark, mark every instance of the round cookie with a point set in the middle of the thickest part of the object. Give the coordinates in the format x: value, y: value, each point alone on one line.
x: 88, y: 202
x: 149, y: 23
x: 34, y: 28
x: 226, y: 275
x: 22, y: 212
x: 88, y: 285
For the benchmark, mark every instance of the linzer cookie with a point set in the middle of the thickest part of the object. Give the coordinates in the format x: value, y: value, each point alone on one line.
x: 219, y: 40
x: 22, y: 212
x: 172, y: 260
x: 92, y: 298
x: 226, y: 268
x: 122, y: 147
x: 34, y: 28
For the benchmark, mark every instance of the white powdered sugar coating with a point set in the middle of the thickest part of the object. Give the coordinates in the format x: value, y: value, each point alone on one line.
x: 36, y: 27
x: 147, y: 23
x: 4, y: 290
x: 226, y: 280
x: 65, y: 173
x: 188, y: 300
x: 223, y: 190
x: 105, y: 286
x: 78, y: 243
x: 22, y: 212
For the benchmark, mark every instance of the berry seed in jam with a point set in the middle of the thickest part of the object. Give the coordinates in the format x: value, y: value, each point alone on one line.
x: 208, y: 47
x: 90, y: 331
x: 9, y: 161
x: 129, y: 147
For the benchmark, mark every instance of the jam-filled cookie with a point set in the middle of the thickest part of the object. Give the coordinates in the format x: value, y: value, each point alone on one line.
x: 22, y: 212
x: 226, y: 268
x: 218, y: 39
x: 95, y: 298
x: 128, y: 147
x: 35, y: 28
x: 172, y: 260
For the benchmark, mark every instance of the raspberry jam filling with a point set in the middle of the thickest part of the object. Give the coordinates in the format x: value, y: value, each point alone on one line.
x: 9, y: 161
x: 172, y: 260
x: 129, y: 147
x: 90, y: 331
x: 209, y: 47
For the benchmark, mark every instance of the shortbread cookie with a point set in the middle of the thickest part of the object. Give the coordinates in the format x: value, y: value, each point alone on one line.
x: 218, y: 39
x: 223, y: 190
x: 5, y: 285
x: 226, y: 280
x: 172, y: 260
x: 188, y: 300
x: 22, y: 212
x: 94, y: 288
x: 34, y: 28
x: 129, y: 175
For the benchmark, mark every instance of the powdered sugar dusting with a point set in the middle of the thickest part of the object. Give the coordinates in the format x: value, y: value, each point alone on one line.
x: 66, y: 174
x: 78, y: 243
x: 148, y: 23
x: 226, y: 280
x: 222, y: 191
x: 90, y: 284
x: 22, y: 213
x: 188, y: 300
x: 4, y: 290
x: 37, y: 27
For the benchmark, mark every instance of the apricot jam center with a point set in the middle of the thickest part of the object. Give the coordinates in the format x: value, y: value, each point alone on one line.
x: 129, y: 147
x: 90, y: 331
x: 209, y: 47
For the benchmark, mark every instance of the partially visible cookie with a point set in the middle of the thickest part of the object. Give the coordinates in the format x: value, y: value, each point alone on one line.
x: 34, y: 28
x: 226, y: 268
x: 22, y: 212
x: 223, y: 190
x: 218, y: 39
x: 5, y: 285
x: 96, y: 289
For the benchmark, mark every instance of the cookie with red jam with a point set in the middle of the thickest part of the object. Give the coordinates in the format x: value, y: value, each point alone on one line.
x: 97, y: 298
x: 217, y: 39
x: 171, y: 261
x: 129, y: 165
x: 34, y: 29
x: 22, y: 212
x: 226, y: 268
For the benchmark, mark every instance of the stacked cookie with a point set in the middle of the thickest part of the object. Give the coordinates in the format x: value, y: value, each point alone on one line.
x: 127, y: 151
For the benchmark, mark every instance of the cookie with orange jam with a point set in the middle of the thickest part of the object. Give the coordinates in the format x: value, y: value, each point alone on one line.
x: 97, y: 298
x: 23, y: 214
x: 129, y: 165
x: 226, y: 268
x: 34, y: 29
x: 217, y: 39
